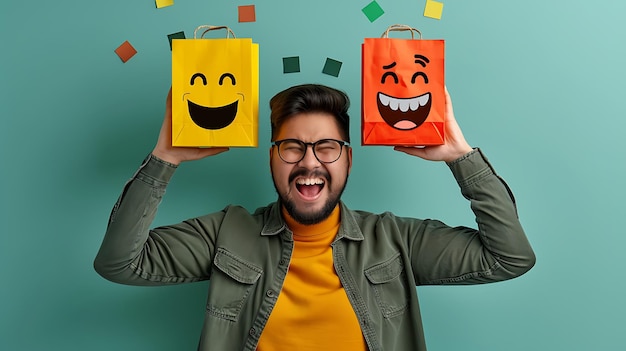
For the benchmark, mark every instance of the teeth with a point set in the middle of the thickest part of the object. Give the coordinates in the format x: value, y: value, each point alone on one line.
x: 384, y: 99
x: 309, y: 181
x: 393, y: 104
x: 423, y: 100
x: 404, y: 104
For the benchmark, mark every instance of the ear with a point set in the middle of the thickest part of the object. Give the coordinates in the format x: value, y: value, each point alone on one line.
x: 349, y: 159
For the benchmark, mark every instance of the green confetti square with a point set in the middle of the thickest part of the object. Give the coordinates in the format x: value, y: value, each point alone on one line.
x: 291, y: 64
x: 332, y: 67
x: 177, y: 35
x: 373, y: 11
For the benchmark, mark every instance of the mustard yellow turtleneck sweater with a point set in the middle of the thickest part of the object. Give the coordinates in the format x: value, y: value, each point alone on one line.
x: 312, y: 312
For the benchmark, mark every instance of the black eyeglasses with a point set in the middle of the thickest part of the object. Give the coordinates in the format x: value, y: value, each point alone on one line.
x: 325, y: 150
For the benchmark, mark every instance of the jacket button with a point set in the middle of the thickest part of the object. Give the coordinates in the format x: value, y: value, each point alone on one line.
x: 270, y: 293
x: 282, y: 262
x: 252, y: 331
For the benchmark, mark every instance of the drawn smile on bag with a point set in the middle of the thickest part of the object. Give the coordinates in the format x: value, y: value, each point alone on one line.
x: 212, y: 117
x: 404, y: 113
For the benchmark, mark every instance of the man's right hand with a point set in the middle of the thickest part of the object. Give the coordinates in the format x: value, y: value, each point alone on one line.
x: 175, y: 155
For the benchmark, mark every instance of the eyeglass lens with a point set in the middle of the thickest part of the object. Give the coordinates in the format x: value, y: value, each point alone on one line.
x: 325, y: 150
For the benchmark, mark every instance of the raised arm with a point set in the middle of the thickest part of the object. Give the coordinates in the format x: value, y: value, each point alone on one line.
x: 131, y: 252
x: 498, y: 249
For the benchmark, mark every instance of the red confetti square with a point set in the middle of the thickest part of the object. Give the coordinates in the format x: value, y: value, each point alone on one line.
x: 125, y: 51
x: 247, y: 13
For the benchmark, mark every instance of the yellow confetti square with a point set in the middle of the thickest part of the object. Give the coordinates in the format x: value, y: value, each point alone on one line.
x: 433, y: 9
x: 163, y: 3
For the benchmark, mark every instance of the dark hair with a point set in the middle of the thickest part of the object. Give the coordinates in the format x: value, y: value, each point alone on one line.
x: 310, y: 98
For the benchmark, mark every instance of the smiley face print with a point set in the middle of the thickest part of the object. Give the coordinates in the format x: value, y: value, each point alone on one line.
x: 212, y: 117
x: 405, y: 113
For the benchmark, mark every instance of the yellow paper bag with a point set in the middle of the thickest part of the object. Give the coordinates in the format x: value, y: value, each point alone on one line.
x: 215, y: 91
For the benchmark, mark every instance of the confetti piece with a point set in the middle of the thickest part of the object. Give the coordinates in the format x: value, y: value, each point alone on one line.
x: 291, y: 64
x: 163, y: 3
x: 433, y: 9
x: 177, y: 35
x: 247, y: 13
x: 125, y: 51
x: 332, y: 67
x: 373, y: 11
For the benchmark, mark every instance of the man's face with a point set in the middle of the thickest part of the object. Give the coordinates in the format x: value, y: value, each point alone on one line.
x: 309, y: 189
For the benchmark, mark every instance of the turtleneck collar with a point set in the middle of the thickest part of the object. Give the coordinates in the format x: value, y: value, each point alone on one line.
x: 330, y: 224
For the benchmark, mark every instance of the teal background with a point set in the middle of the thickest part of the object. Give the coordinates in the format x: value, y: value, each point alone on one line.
x: 539, y: 85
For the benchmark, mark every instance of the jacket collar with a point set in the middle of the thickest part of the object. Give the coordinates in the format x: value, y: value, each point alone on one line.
x: 275, y: 223
x: 349, y: 228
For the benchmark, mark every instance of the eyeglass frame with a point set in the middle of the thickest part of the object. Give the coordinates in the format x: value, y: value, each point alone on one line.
x: 306, y: 148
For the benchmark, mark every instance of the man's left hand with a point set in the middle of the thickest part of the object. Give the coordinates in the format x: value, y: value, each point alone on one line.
x: 454, y: 147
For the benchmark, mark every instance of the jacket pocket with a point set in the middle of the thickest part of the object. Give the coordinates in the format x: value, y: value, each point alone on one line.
x: 388, y: 280
x: 233, y: 279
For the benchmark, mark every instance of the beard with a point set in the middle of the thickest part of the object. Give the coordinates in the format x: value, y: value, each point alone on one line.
x: 309, y: 218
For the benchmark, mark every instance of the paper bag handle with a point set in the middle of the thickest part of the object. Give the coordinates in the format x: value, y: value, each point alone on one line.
x: 209, y: 27
x: 399, y: 28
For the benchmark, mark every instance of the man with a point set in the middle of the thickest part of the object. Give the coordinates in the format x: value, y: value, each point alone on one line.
x: 306, y: 272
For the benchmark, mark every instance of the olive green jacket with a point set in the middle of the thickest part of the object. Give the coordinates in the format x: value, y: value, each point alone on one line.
x: 379, y: 258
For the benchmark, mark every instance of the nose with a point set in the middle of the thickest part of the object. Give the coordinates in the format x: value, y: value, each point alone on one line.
x: 309, y: 160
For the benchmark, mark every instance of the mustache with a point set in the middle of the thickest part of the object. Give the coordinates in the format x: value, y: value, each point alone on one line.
x: 302, y: 172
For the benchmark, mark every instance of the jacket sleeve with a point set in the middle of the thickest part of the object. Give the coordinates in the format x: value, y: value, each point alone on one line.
x: 132, y: 253
x: 497, y: 250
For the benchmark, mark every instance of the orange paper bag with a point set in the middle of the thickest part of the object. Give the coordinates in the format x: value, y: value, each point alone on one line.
x: 403, y: 90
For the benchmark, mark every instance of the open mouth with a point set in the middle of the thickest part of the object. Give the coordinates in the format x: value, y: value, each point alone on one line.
x: 404, y: 113
x: 212, y: 117
x: 310, y: 187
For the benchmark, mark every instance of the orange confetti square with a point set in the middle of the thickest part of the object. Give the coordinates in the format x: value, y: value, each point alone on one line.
x: 125, y: 51
x: 247, y: 13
